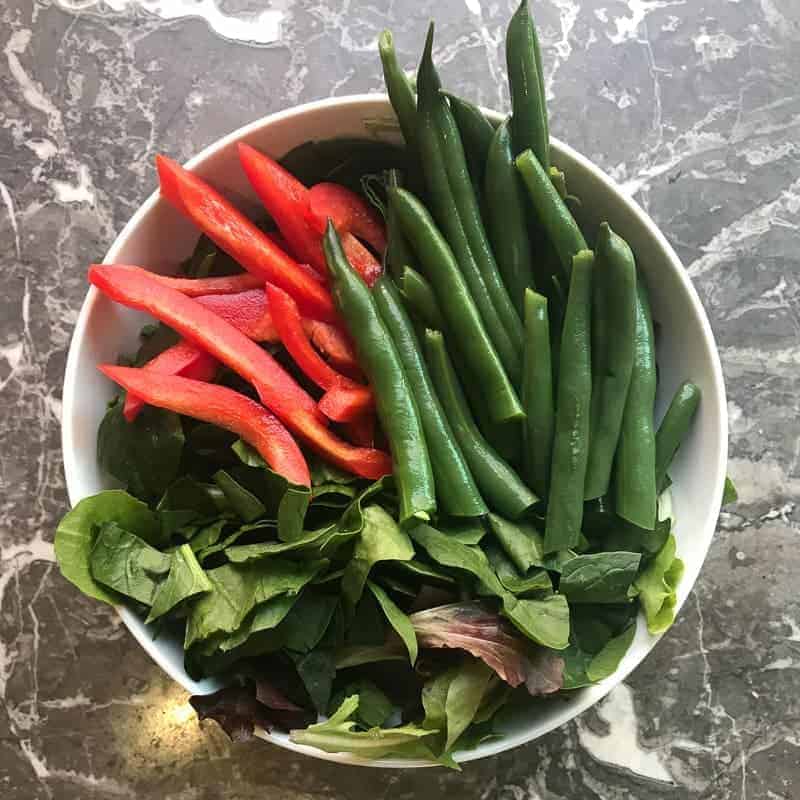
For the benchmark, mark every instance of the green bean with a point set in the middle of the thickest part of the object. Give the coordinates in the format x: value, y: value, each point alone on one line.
x: 476, y: 135
x: 537, y: 393
x: 506, y: 215
x: 635, y: 461
x: 500, y: 485
x: 613, y: 336
x: 458, y: 307
x: 469, y: 211
x: 401, y: 92
x: 526, y: 81
x: 444, y: 202
x: 573, y: 401
x: 505, y: 437
x: 420, y: 298
x: 551, y: 210
x: 456, y: 490
x: 398, y: 254
x: 674, y: 427
x: 394, y: 400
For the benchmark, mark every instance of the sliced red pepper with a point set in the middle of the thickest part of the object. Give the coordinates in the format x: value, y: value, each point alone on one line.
x: 362, y: 261
x: 343, y: 403
x: 349, y: 211
x: 183, y: 359
x: 351, y: 399
x: 220, y: 406
x: 278, y: 391
x: 247, y: 311
x: 196, y: 287
x: 232, y: 231
x: 286, y: 201
x: 361, y: 430
x: 335, y: 344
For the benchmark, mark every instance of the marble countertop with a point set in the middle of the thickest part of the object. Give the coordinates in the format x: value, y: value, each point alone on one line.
x: 692, y: 105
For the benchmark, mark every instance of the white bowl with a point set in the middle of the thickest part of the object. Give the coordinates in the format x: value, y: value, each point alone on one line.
x: 158, y: 237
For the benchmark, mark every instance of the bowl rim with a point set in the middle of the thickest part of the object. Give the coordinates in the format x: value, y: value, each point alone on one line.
x: 380, y: 104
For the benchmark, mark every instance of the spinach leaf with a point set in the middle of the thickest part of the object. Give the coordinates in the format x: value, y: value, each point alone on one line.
x: 450, y: 553
x: 76, y: 532
x: 185, y: 579
x: 599, y: 639
x: 423, y: 572
x: 262, y: 631
x: 534, y: 582
x: 186, y: 501
x: 397, y: 619
x: 319, y: 543
x: 627, y: 536
x: 246, y: 505
x: 729, y: 495
x: 520, y: 540
x: 465, y: 531
x: 308, y: 620
x: 374, y: 707
x: 544, y: 621
x: 289, y: 502
x: 599, y: 578
x: 239, y: 588
x: 127, y: 564
x: 605, y: 662
x: 323, y: 473
x: 154, y: 339
x: 207, y: 536
x: 336, y: 734
x: 381, y: 540
x: 358, y: 655
x: 656, y: 587
x: 317, y: 670
x: 367, y: 625
x: 144, y: 455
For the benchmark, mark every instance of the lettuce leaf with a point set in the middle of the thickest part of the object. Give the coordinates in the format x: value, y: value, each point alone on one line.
x: 486, y: 635
x: 336, y: 734
x: 656, y: 587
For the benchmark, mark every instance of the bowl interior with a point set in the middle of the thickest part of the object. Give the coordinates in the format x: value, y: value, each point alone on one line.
x: 158, y: 237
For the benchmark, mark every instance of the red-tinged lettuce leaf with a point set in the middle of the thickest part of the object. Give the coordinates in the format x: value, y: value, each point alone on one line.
x: 486, y: 635
x: 239, y: 710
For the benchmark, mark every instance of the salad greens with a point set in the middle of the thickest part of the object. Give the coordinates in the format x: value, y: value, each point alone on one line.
x: 326, y: 616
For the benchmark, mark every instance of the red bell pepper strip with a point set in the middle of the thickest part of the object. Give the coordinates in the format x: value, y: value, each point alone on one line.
x: 183, y: 359
x: 351, y: 398
x: 247, y: 311
x: 343, y: 403
x: 220, y: 406
x: 287, y: 201
x: 134, y: 287
x: 277, y: 389
x: 335, y: 344
x: 292, y: 331
x: 362, y: 261
x: 349, y: 212
x: 196, y: 287
x: 231, y: 230
x: 361, y: 430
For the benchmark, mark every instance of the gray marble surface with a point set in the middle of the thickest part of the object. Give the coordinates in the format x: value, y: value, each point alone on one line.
x: 692, y: 104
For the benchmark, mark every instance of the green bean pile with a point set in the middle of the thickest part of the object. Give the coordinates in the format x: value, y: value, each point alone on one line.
x: 530, y: 355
